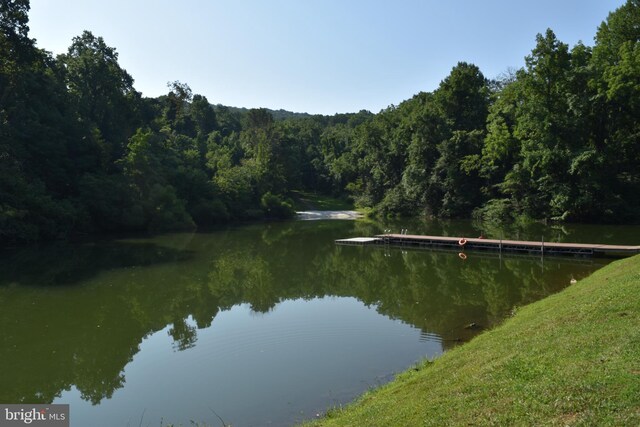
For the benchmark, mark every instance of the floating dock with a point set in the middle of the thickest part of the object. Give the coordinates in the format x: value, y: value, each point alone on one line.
x: 517, y: 246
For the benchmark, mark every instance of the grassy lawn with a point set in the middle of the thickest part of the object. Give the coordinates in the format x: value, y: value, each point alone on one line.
x: 570, y: 359
x: 311, y: 201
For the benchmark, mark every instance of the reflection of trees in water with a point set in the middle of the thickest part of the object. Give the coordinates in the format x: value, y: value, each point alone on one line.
x: 238, y: 277
x: 184, y: 335
x: 65, y: 264
x: 88, y: 333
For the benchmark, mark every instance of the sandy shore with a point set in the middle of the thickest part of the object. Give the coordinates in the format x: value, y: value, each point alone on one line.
x: 313, y: 215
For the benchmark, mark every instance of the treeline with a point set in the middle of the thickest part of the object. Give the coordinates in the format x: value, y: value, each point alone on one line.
x: 81, y: 151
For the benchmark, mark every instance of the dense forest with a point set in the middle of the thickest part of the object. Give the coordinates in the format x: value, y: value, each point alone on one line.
x: 81, y: 151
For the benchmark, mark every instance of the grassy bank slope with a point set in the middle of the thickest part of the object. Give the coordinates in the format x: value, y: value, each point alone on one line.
x: 570, y: 359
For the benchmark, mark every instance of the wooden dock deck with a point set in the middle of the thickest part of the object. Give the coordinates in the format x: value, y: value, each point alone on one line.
x: 539, y: 247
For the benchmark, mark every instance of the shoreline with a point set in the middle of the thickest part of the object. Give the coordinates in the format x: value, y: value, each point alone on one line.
x: 313, y: 215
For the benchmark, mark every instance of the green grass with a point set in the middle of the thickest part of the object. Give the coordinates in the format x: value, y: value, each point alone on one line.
x: 570, y: 359
x: 313, y: 201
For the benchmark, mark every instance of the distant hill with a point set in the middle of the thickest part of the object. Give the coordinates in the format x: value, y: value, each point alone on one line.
x: 325, y: 120
x: 277, y: 114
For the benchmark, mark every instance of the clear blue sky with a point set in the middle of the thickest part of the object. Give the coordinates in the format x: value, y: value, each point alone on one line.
x: 316, y: 56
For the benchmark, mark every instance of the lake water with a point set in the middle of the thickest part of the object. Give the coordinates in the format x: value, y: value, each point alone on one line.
x: 265, y: 324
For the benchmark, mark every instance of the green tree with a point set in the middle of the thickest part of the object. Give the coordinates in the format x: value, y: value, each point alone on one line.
x: 38, y: 149
x: 429, y: 129
x: 146, y: 164
x: 177, y: 104
x: 102, y: 92
x: 615, y: 59
x: 203, y: 115
x: 262, y: 142
x: 463, y: 97
x: 540, y: 183
x: 456, y: 174
x: 462, y: 100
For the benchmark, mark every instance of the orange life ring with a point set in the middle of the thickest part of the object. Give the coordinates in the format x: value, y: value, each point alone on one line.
x: 462, y: 256
x: 462, y: 241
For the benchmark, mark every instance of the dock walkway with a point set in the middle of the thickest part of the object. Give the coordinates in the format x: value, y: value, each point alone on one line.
x: 467, y: 243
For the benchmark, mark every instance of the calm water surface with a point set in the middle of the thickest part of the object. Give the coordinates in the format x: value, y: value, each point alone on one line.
x: 267, y: 324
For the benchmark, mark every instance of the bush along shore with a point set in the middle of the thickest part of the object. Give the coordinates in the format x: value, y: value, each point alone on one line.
x: 570, y: 359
